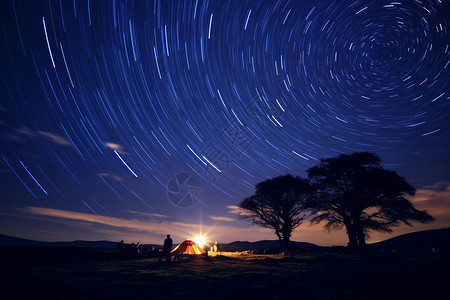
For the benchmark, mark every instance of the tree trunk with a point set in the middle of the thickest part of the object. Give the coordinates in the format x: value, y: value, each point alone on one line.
x: 362, y: 242
x: 286, y: 233
x: 352, y: 245
x: 280, y: 239
x: 285, y: 246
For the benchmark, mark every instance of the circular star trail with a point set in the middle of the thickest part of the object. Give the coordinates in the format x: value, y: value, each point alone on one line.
x: 103, y: 103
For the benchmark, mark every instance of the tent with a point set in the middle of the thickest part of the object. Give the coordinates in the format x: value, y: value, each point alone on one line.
x: 187, y: 248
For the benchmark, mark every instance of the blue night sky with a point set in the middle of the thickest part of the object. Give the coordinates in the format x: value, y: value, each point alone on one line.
x: 134, y: 119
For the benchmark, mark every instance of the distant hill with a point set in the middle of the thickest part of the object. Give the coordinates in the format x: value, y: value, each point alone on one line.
x: 266, y: 244
x: 6, y: 240
x: 421, y: 242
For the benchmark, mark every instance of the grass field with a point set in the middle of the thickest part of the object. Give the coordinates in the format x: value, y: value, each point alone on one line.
x: 67, y: 274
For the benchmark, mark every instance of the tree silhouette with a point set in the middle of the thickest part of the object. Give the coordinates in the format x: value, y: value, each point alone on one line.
x: 354, y: 192
x: 279, y: 204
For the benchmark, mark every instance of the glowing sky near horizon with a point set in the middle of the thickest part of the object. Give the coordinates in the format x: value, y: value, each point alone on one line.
x: 107, y: 105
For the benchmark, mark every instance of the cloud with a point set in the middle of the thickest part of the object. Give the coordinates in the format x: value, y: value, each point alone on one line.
x: 111, y: 176
x: 52, y: 137
x: 15, y: 138
x: 55, y: 138
x: 117, y: 147
x: 436, y: 193
x: 436, y: 200
x: 149, y: 215
x: 234, y: 209
x: 26, y: 131
x: 105, y: 220
x: 181, y: 229
x: 218, y: 218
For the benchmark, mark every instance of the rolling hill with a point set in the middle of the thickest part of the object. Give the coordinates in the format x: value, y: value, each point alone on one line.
x: 421, y: 242
x: 6, y: 240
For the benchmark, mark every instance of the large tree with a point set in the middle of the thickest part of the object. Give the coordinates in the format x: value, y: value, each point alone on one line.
x: 355, y: 192
x: 279, y: 204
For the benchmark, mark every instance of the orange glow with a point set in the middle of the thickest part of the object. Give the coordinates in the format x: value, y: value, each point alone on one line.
x: 187, y: 247
x: 199, y: 240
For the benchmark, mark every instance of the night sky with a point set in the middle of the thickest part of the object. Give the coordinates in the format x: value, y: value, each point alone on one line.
x: 134, y: 119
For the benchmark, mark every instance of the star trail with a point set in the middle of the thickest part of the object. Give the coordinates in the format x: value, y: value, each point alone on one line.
x: 116, y: 108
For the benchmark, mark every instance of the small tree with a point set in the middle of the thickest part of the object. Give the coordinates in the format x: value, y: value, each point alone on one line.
x: 279, y: 204
x: 354, y: 192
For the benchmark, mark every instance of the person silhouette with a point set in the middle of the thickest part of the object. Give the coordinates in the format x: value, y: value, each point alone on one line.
x: 167, y: 247
x: 216, y: 247
x: 120, y: 245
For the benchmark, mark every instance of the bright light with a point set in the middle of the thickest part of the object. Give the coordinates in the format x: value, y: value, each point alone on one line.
x: 199, y: 240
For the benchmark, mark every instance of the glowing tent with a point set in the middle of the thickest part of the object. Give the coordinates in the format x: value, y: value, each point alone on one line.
x: 187, y: 248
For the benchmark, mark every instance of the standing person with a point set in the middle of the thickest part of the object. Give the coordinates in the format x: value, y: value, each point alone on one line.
x: 216, y: 247
x: 166, y: 248
x: 120, y: 245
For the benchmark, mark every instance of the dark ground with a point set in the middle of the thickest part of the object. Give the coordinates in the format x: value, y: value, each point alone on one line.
x: 68, y: 273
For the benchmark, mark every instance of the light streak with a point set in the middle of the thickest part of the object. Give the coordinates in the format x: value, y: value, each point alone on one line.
x: 196, y: 155
x: 125, y: 163
x: 48, y: 44
x: 17, y: 175
x: 29, y: 173
x: 65, y: 63
x: 211, y: 164
x: 246, y: 20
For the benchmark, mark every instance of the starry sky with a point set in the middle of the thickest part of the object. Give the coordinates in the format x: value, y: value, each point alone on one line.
x: 134, y: 119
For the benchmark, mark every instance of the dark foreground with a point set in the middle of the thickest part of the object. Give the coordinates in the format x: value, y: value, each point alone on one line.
x: 99, y: 274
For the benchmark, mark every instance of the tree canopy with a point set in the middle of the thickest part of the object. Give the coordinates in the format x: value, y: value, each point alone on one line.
x: 355, y: 192
x: 279, y: 204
